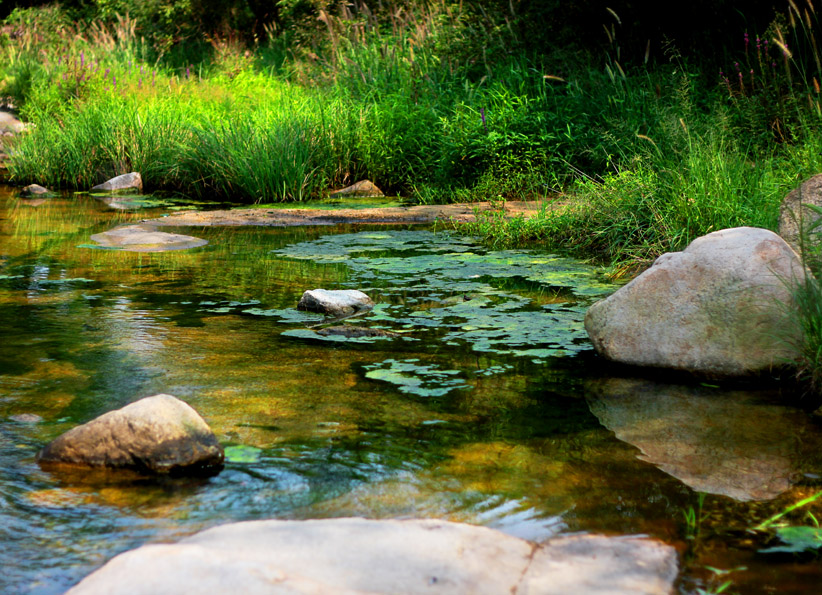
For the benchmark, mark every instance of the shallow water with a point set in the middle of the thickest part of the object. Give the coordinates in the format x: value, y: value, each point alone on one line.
x: 488, y: 407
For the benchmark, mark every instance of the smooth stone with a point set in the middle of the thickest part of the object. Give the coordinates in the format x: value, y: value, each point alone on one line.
x: 362, y: 189
x: 145, y: 238
x: 359, y: 556
x: 10, y: 125
x: 159, y: 434
x: 728, y: 443
x: 337, y: 303
x: 131, y: 182
x: 35, y: 190
x: 26, y: 418
x: 722, y: 307
x: 796, y: 218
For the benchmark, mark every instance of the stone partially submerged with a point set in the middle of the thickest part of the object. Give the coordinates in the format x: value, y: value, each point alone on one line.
x: 336, y: 303
x: 35, y: 190
x: 123, y: 184
x: 348, y: 556
x: 719, y: 308
x: 158, y: 435
x: 145, y: 238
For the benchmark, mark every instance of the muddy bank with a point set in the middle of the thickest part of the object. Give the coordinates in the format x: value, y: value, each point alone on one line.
x: 284, y: 217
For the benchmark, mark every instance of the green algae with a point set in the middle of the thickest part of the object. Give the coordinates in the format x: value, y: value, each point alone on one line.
x: 447, y: 284
x: 412, y: 377
x: 242, y: 453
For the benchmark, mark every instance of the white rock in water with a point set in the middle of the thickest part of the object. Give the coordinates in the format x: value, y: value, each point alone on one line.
x: 338, y: 303
x: 721, y: 307
x: 132, y: 182
x: 336, y: 556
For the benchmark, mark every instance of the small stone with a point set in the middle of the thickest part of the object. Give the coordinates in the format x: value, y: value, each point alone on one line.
x: 159, y: 435
x: 123, y: 184
x: 26, y: 418
x: 796, y: 213
x: 337, y: 303
x: 362, y: 189
x: 35, y: 190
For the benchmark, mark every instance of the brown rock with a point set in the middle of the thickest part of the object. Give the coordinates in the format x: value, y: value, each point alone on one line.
x: 362, y: 189
x: 158, y: 434
x: 795, y: 216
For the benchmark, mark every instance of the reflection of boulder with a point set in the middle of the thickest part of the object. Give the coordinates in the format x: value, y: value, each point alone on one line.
x: 729, y: 443
x: 720, y: 307
x: 366, y: 556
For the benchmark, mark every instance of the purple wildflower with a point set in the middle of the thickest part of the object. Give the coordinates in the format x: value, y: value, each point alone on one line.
x: 482, y: 117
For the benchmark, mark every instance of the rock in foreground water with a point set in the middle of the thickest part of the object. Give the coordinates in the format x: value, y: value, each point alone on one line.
x: 337, y: 303
x: 397, y: 557
x: 721, y: 307
x: 126, y: 183
x: 159, y: 434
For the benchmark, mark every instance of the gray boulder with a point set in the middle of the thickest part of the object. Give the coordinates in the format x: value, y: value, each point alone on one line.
x: 123, y: 184
x: 348, y: 556
x: 795, y: 218
x: 10, y: 124
x: 337, y: 303
x: 722, y: 307
x: 362, y: 189
x: 158, y: 434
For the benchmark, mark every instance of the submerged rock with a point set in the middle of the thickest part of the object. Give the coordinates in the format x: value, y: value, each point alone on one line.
x: 158, y: 434
x: 796, y: 217
x: 145, y: 238
x: 124, y: 183
x: 33, y: 190
x: 362, y: 189
x: 337, y: 303
x: 356, y: 332
x: 729, y: 443
x: 721, y: 307
x: 397, y: 557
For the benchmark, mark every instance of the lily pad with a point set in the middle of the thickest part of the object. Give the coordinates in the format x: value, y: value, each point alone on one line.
x: 797, y: 540
x: 412, y: 377
x: 242, y: 454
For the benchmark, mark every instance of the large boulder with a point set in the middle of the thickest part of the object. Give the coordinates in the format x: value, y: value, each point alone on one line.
x: 796, y: 218
x: 349, y: 556
x: 337, y: 303
x: 722, y: 307
x: 158, y: 434
x: 123, y: 184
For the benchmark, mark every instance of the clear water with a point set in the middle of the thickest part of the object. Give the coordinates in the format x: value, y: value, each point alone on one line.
x: 487, y: 406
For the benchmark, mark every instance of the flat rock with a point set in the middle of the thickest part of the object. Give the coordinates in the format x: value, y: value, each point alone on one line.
x: 362, y: 189
x: 337, y: 303
x: 145, y: 238
x: 795, y: 216
x: 9, y: 123
x: 348, y: 556
x: 730, y: 443
x: 159, y: 434
x: 719, y: 308
x: 125, y: 183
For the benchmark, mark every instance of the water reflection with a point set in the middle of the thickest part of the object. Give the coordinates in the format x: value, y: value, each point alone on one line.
x: 727, y: 442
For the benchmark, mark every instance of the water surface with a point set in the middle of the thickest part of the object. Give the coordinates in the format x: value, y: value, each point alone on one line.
x: 485, y: 404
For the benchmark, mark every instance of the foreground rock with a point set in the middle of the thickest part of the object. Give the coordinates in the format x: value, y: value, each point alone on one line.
x: 795, y: 216
x: 362, y: 189
x: 336, y: 303
x: 123, y: 184
x: 158, y: 434
x: 9, y: 123
x: 731, y: 443
x: 145, y: 238
x: 397, y: 557
x: 720, y: 307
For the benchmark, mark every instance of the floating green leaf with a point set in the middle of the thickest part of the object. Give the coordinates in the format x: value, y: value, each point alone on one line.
x: 797, y: 539
x: 411, y: 377
x: 242, y: 454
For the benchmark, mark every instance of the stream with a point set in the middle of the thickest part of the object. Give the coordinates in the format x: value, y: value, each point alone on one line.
x: 483, y: 402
